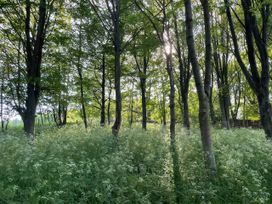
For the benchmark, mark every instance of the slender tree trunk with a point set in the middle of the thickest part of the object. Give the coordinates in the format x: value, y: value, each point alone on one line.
x: 55, y: 117
x: 169, y: 68
x: 64, y: 115
x: 186, y: 118
x: 223, y: 109
x: 208, y: 48
x: 224, y: 122
x: 2, y: 103
x: 244, y: 112
x: 174, y: 152
x: 221, y: 70
x: 203, y: 100
x: 211, y: 107
x: 131, y: 109
x: 143, y: 91
x: 82, y: 101
x: 117, y: 66
x: 60, y: 113
x: 208, y: 81
x: 109, y: 104
x: 103, y: 100
x: 171, y: 97
x: 183, y: 78
x: 79, y: 70
x: 163, y: 109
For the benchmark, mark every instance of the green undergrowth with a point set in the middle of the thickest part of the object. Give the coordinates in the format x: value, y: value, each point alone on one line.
x: 72, y: 165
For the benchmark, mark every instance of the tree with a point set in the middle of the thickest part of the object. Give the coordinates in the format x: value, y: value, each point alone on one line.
x: 110, y: 19
x: 184, y: 73
x: 141, y: 50
x: 32, y: 37
x: 114, y: 10
x: 255, y: 36
x: 161, y: 25
x: 203, y: 98
x: 221, y: 43
x: 103, y: 97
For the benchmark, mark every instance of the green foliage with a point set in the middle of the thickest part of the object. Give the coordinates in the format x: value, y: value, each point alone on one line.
x: 69, y: 166
x: 72, y: 165
x: 244, y: 174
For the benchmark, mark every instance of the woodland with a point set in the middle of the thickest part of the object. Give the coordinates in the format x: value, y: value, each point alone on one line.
x: 135, y: 101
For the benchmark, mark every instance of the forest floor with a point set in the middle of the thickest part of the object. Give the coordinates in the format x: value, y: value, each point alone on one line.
x: 72, y: 165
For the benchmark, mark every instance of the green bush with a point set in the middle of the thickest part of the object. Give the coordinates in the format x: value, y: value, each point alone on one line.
x: 72, y: 165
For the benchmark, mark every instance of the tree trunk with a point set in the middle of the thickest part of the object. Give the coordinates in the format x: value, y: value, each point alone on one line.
x: 131, y: 107
x: 211, y: 107
x: 34, y: 51
x: 163, y: 109
x: 79, y: 70
x: 186, y: 119
x: 64, y: 116
x: 103, y: 101
x: 30, y: 112
x: 183, y: 78
x: 170, y: 71
x: 109, y: 104
x: 221, y: 70
x: 117, y: 67
x: 83, y: 103
x: 2, y: 102
x: 265, y: 113
x: 29, y: 123
x: 60, y: 113
x: 224, y: 118
x: 171, y: 97
x: 143, y: 91
x: 203, y: 100
x: 208, y: 49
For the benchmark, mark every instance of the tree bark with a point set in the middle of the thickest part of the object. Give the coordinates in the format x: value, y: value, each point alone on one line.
x: 131, y: 109
x: 163, y: 109
x: 2, y: 102
x: 211, y: 107
x: 184, y: 77
x: 80, y: 75
x: 103, y: 100
x: 265, y: 112
x: 143, y: 90
x: 142, y: 75
x: 203, y: 100
x: 109, y: 103
x: 115, y: 12
x: 208, y: 49
x: 221, y: 70
x: 34, y: 51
